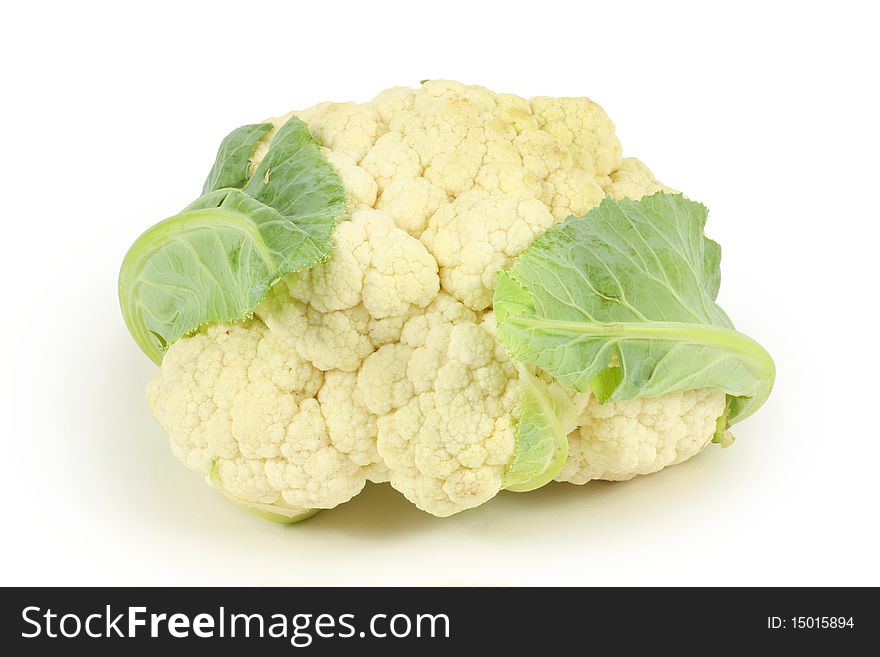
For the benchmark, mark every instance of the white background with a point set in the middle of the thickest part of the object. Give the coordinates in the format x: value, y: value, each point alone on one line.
x: 766, y: 112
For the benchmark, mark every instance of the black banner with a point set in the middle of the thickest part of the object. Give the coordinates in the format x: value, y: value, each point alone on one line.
x: 433, y: 621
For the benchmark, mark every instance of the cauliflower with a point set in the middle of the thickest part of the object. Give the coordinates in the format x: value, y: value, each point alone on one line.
x: 619, y: 440
x: 385, y: 360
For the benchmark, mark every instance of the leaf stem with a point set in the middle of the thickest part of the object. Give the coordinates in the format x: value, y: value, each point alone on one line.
x: 680, y: 332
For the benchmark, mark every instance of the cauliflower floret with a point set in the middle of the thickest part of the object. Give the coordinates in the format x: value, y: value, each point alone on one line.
x: 308, y: 470
x: 381, y: 363
x: 390, y: 159
x: 332, y: 340
x: 571, y: 192
x: 346, y: 128
x: 457, y: 131
x: 336, y: 313
x: 238, y: 404
x: 619, y: 440
x: 374, y: 263
x: 541, y: 153
x: 393, y: 101
x: 479, y: 234
x: 584, y: 128
x: 633, y: 180
x: 411, y: 202
x: 362, y: 187
x: 447, y: 399
x: 352, y: 427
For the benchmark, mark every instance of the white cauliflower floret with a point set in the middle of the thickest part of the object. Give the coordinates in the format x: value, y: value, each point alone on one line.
x: 337, y: 312
x: 451, y: 127
x: 393, y: 101
x: 633, y: 180
x: 351, y: 426
x: 331, y: 340
x: 346, y: 128
x: 541, y: 152
x: 447, y: 399
x: 389, y: 159
x: 411, y: 202
x: 238, y: 405
x: 382, y: 363
x: 309, y: 470
x: 584, y: 128
x: 361, y: 186
x: 479, y: 234
x: 619, y: 440
x: 571, y: 192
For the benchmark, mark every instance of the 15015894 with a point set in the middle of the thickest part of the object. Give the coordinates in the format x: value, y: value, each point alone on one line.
x: 810, y: 622
x: 821, y: 622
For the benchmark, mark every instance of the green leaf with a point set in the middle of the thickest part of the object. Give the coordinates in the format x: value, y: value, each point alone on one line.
x: 212, y: 199
x: 270, y: 512
x: 722, y: 435
x: 630, y: 287
x: 216, y: 260
x: 547, y: 417
x: 605, y: 382
x: 234, y: 157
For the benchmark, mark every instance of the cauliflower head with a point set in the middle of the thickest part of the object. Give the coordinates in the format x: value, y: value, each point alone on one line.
x: 381, y: 363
